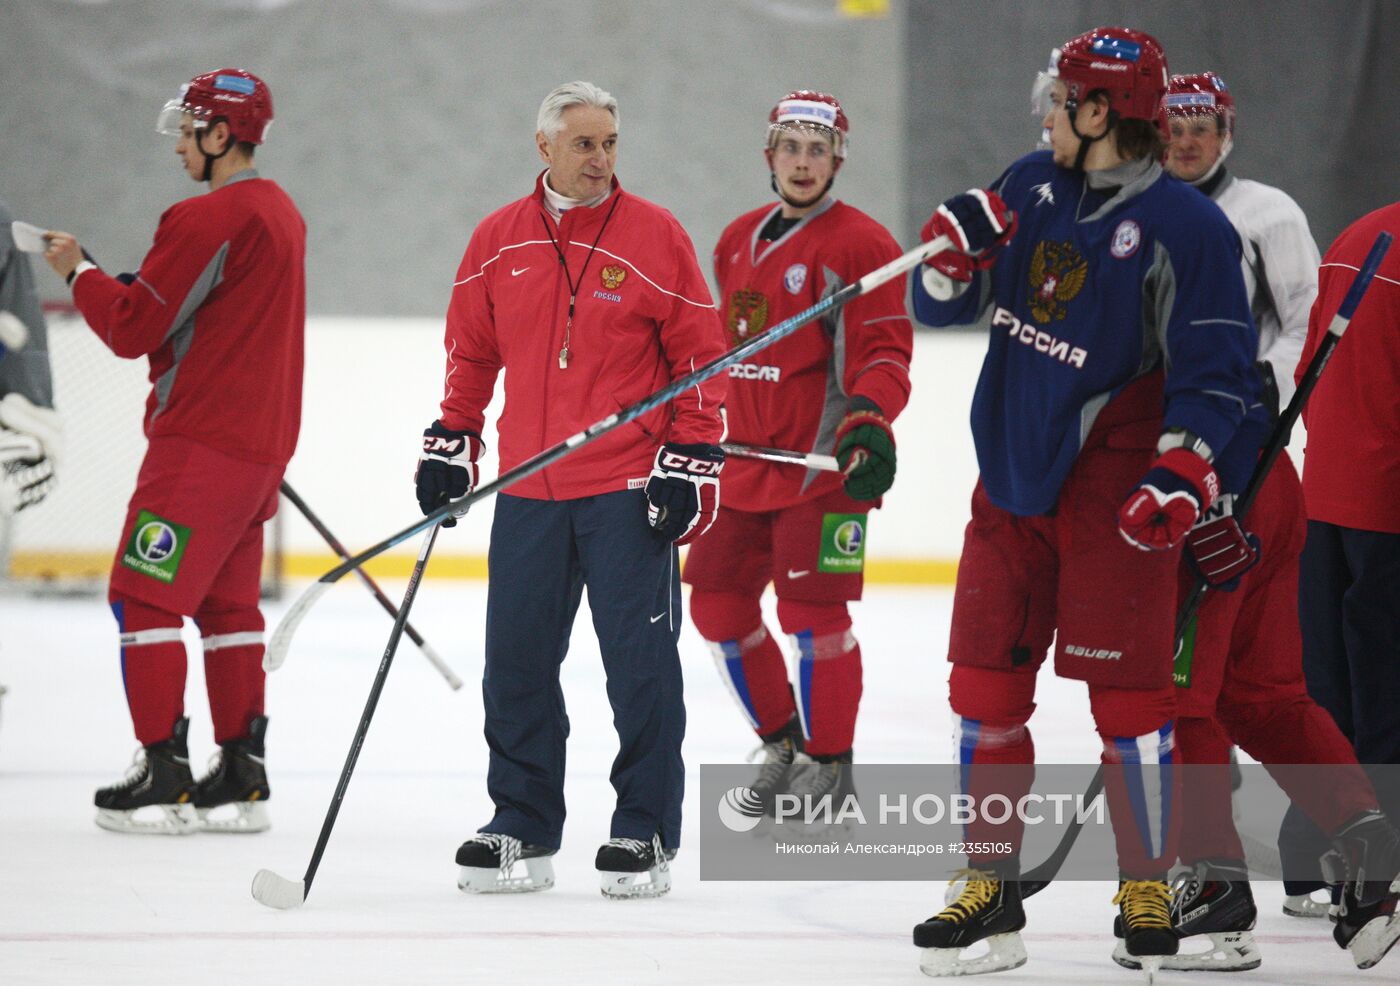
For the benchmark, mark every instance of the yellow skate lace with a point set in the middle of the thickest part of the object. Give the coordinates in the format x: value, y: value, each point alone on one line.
x: 978, y: 892
x: 1145, y: 903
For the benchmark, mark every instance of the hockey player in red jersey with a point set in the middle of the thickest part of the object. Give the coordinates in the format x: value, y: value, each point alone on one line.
x: 218, y: 308
x: 1239, y: 674
x: 833, y: 386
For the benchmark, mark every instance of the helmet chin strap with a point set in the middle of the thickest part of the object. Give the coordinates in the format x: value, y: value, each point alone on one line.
x: 1072, y: 109
x: 1225, y: 149
x: 209, y: 159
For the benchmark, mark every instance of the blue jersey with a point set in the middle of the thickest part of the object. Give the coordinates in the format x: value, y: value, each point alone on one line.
x: 1096, y: 289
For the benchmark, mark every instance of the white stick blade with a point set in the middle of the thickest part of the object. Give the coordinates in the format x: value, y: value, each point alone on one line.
x: 281, y: 642
x: 272, y: 890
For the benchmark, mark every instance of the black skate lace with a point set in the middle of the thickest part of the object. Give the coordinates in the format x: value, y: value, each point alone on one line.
x: 507, y: 846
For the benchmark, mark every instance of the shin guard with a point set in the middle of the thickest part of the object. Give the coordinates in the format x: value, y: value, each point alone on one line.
x: 153, y: 668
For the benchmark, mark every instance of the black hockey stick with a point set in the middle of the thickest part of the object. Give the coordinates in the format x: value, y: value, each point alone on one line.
x: 812, y: 460
x: 281, y: 637
x: 277, y: 891
x: 433, y: 658
x: 1038, y: 878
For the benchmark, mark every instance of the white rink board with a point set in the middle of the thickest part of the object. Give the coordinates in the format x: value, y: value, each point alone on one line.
x: 83, y: 906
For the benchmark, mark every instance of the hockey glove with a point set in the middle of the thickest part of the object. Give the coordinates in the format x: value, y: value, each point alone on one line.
x: 1167, y: 503
x: 865, y: 450
x: 30, y: 442
x: 1219, y: 549
x: 683, y: 491
x: 446, y: 467
x: 979, y: 223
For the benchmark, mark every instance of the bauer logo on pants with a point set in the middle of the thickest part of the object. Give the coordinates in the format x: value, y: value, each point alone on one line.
x: 843, y: 543
x: 156, y: 547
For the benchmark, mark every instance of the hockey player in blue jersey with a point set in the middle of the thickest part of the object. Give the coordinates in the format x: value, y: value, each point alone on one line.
x: 1120, y: 358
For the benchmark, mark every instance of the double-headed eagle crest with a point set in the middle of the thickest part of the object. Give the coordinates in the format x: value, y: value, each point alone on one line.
x: 1058, y: 272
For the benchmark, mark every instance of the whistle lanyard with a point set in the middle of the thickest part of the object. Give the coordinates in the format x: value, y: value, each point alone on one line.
x: 573, y: 288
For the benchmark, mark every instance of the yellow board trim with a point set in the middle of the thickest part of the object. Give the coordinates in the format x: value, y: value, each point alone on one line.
x: 92, y: 565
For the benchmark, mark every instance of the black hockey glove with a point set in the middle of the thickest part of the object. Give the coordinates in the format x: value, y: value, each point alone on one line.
x: 446, y: 467
x: 683, y: 491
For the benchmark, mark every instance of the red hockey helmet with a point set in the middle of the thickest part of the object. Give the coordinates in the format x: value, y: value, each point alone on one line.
x: 1129, y: 66
x: 807, y: 106
x: 239, y: 98
x: 1202, y: 94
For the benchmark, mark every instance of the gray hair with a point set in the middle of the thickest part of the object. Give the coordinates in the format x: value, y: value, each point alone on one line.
x: 551, y: 118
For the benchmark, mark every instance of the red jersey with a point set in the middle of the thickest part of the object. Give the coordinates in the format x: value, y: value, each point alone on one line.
x: 793, y: 394
x: 642, y: 318
x: 1351, y: 471
x: 219, y: 307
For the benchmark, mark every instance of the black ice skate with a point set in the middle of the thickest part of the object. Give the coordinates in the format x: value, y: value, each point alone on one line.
x: 1213, y: 899
x: 1145, y: 920
x: 1368, y: 923
x: 232, y: 796
x: 988, y: 909
x: 820, y: 786
x: 780, y: 748
x: 159, y: 780
x: 621, y: 864
x: 487, y: 859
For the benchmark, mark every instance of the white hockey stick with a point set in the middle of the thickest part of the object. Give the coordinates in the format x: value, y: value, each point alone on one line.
x: 281, y: 640
x: 812, y: 460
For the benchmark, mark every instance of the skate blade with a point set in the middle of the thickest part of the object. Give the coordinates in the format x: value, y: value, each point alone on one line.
x: 1003, y: 952
x: 248, y: 817
x: 1377, y: 937
x: 173, y: 820
x: 1304, y: 906
x: 278, y: 892
x: 625, y: 886
x: 1230, y: 951
x: 1150, y: 964
x: 539, y: 875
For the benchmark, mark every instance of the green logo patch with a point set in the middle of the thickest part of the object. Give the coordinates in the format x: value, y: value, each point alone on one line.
x: 843, y: 543
x: 1181, y: 668
x: 156, y: 547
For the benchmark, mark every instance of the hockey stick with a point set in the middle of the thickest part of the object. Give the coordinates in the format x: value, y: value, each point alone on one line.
x: 812, y: 460
x: 1038, y: 878
x: 281, y: 637
x: 384, y: 601
x: 277, y: 891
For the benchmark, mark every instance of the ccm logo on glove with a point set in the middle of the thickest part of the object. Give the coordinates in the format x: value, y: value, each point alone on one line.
x: 683, y: 491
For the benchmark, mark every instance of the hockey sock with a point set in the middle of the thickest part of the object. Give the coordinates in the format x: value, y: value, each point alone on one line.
x: 1299, y: 735
x: 233, y: 672
x: 750, y: 662
x: 993, y: 745
x: 1207, y: 819
x: 828, y: 673
x: 153, y: 668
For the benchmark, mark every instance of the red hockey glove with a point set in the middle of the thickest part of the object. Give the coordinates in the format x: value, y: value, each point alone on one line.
x: 446, y: 467
x: 1166, y: 504
x: 1219, y: 549
x: 865, y: 451
x: 683, y: 491
x: 979, y: 223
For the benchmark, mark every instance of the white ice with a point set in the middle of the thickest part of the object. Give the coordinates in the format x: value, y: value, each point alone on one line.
x: 83, y: 906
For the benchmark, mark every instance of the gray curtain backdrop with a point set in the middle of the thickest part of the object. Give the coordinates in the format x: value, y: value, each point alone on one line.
x: 1315, y: 86
x: 401, y: 124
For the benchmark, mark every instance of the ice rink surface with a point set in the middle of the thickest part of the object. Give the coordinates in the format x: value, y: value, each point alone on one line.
x: 82, y: 906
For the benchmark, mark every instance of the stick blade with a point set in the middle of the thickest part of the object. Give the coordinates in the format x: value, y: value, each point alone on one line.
x: 276, y: 653
x: 272, y: 890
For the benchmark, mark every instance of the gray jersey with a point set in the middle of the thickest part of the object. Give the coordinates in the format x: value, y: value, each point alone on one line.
x: 25, y: 371
x: 1280, y: 269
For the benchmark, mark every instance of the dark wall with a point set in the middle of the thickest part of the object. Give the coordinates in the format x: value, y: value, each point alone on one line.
x: 1315, y: 84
